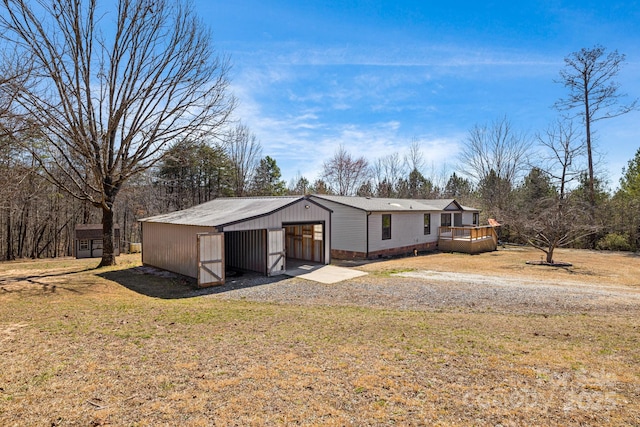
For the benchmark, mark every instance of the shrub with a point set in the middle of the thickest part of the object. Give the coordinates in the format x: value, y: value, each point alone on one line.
x: 613, y: 242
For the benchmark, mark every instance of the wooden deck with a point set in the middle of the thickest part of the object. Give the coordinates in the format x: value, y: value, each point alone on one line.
x: 468, y: 239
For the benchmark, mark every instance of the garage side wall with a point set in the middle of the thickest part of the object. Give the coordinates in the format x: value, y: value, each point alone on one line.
x: 172, y: 247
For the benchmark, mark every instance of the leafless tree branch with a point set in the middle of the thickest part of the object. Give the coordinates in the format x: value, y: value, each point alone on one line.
x: 108, y: 95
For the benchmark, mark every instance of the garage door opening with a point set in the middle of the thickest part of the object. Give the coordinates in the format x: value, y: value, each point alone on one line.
x: 305, y: 242
x: 261, y: 251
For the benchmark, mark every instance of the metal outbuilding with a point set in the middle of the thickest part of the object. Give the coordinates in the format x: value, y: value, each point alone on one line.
x: 246, y: 233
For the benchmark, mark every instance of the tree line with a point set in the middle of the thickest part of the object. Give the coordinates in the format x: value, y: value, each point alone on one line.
x: 546, y: 204
x: 113, y: 117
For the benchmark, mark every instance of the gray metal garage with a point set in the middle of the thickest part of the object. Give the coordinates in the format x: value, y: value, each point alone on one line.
x: 247, y: 233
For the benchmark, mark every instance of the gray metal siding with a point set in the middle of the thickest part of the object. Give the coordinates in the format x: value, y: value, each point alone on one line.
x: 172, y: 247
x: 296, y: 213
x: 406, y: 229
x: 348, y: 227
x: 246, y: 250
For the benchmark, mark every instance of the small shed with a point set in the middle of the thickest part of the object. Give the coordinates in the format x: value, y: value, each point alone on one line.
x: 240, y: 233
x: 88, y: 241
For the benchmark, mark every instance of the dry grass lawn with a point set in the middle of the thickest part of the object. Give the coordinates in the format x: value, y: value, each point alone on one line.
x: 92, y: 351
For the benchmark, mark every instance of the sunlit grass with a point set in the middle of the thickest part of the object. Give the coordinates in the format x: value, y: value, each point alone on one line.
x: 97, y: 352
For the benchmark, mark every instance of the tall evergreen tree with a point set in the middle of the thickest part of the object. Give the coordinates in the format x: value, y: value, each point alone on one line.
x: 630, y: 181
x: 267, y: 179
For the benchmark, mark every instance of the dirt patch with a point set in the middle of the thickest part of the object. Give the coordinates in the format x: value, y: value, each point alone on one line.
x: 8, y: 332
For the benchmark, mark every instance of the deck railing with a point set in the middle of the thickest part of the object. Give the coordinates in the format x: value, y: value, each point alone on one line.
x: 470, y: 239
x: 468, y: 233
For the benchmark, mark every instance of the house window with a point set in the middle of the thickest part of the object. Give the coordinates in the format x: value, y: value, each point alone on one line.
x: 386, y: 226
x: 427, y: 224
x: 83, y: 245
x: 445, y: 220
x: 476, y: 218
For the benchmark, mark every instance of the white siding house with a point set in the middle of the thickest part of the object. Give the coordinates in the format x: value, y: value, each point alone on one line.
x: 256, y: 234
x: 367, y: 227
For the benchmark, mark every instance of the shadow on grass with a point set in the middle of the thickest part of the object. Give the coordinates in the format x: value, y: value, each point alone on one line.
x: 33, y: 282
x: 160, y: 284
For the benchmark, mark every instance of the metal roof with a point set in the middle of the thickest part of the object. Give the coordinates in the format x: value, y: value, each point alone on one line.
x: 93, y: 231
x: 225, y: 210
x: 377, y: 204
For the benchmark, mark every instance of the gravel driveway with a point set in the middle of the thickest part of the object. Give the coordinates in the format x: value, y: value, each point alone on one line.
x: 430, y: 291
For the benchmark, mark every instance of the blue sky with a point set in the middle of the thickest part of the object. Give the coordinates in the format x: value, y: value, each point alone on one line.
x: 376, y: 75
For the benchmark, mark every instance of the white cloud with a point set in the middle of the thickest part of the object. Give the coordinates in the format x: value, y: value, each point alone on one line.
x: 304, y: 102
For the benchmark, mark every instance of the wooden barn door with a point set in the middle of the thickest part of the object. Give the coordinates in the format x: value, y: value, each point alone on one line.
x: 210, y: 259
x: 276, y: 255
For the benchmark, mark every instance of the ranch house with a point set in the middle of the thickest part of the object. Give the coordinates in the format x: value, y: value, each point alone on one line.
x: 369, y: 228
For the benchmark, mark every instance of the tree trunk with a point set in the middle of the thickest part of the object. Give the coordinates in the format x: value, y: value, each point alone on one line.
x: 108, y: 255
x: 9, y: 254
x: 22, y: 230
x: 550, y: 254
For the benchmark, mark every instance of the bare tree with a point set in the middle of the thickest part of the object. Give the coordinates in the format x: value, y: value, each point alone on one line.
x: 547, y: 214
x: 344, y: 174
x: 496, y: 147
x: 245, y: 153
x: 414, y: 159
x: 554, y: 223
x: 563, y: 148
x: 387, y: 172
x: 107, y: 95
x: 494, y: 156
x: 593, y: 94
